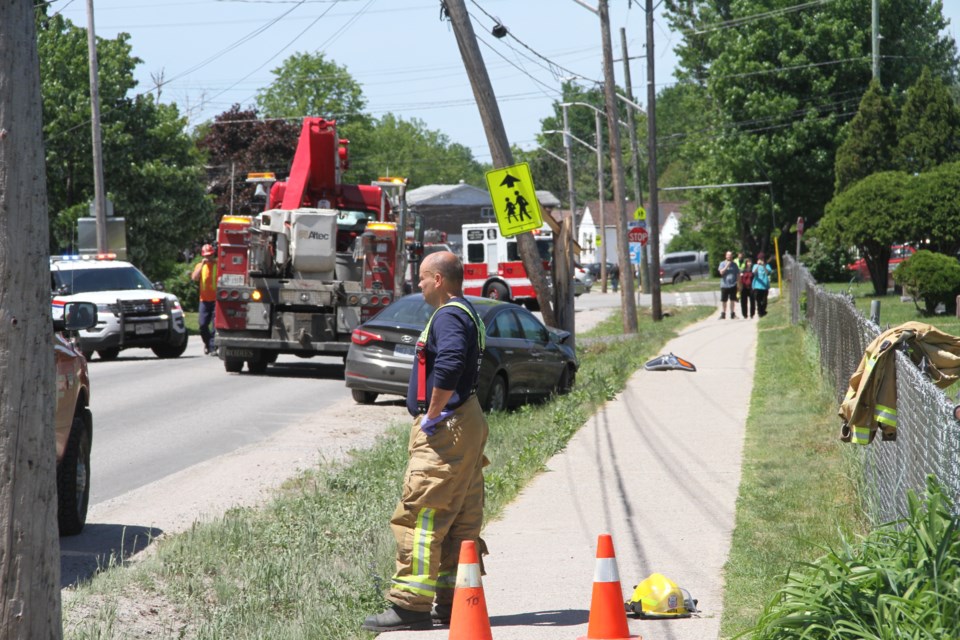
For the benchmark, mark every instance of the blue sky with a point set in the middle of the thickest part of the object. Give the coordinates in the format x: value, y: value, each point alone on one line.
x: 214, y: 53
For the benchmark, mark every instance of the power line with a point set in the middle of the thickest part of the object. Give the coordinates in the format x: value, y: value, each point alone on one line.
x: 736, y: 22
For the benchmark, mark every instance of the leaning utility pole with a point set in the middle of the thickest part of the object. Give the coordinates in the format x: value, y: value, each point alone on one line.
x: 627, y: 301
x: 875, y: 38
x: 29, y: 548
x: 653, y: 215
x: 497, y: 139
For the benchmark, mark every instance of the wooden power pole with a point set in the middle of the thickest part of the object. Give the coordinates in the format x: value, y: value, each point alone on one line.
x: 627, y: 301
x: 499, y: 145
x: 29, y: 549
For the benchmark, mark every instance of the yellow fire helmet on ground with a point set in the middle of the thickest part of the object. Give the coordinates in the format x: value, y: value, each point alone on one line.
x: 659, y: 597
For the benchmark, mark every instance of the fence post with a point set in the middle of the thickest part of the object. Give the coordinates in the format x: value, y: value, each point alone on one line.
x: 875, y: 312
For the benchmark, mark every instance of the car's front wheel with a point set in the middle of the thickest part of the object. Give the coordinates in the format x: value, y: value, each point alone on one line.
x: 363, y: 397
x: 73, y: 476
x: 173, y: 349
x: 109, y: 354
x: 567, y: 378
x: 497, y: 396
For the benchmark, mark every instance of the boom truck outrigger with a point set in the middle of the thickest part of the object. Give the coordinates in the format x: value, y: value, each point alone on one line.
x: 300, y: 276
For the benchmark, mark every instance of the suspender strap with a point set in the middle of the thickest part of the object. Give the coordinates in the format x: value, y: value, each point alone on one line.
x: 422, y: 352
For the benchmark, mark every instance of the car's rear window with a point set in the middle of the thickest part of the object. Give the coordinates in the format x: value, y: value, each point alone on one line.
x: 113, y: 279
x: 409, y: 310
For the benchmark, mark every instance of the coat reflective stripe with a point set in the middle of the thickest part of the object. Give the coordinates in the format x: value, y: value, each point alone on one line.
x: 861, y: 435
x: 606, y: 570
x: 421, y: 585
x: 422, y: 539
x: 468, y: 575
x: 885, y: 415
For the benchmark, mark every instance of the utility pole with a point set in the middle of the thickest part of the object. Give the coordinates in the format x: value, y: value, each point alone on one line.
x: 644, y: 284
x: 627, y: 302
x: 875, y: 37
x: 99, y: 196
x: 653, y: 215
x: 600, y: 190
x: 499, y: 145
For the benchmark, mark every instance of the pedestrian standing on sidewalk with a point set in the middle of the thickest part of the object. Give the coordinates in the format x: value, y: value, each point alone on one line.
x: 761, y: 283
x: 728, y: 285
x: 746, y: 290
x: 206, y: 274
x: 442, y: 500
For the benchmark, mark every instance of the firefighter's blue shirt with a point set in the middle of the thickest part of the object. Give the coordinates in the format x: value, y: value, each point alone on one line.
x: 453, y: 351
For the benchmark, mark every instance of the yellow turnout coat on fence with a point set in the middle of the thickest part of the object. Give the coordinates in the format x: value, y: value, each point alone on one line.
x: 871, y: 399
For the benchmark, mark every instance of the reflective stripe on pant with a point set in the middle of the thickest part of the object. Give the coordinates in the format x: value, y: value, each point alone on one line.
x: 441, y: 506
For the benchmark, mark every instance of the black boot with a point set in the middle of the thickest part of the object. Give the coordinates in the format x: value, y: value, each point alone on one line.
x: 398, y: 619
x: 442, y: 612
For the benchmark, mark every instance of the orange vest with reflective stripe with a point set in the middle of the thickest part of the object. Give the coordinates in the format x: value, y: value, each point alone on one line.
x: 208, y: 283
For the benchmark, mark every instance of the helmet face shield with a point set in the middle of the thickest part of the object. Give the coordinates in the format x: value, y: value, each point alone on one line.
x: 659, y: 597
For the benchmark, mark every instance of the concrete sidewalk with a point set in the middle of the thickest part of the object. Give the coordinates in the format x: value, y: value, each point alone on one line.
x: 658, y: 468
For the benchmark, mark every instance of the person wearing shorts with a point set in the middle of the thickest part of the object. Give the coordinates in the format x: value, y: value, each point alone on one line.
x: 729, y: 274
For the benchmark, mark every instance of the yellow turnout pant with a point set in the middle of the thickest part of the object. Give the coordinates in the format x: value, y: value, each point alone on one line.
x: 441, y: 506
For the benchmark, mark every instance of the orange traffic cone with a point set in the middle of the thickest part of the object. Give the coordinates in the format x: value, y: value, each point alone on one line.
x: 468, y: 619
x: 608, y: 618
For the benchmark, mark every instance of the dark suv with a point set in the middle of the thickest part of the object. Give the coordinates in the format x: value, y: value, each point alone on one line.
x: 72, y: 419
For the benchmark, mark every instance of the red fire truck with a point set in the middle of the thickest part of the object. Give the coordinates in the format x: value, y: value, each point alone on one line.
x: 492, y: 265
x: 299, y: 277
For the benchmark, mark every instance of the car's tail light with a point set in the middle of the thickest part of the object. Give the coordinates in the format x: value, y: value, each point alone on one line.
x: 361, y: 337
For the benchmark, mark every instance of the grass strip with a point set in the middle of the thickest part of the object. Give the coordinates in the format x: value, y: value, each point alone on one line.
x: 796, y: 497
x: 316, y: 560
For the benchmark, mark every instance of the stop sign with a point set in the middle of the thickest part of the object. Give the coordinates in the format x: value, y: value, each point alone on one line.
x: 800, y: 224
x: 638, y: 234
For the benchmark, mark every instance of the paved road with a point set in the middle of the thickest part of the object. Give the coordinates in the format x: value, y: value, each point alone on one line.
x: 154, y: 418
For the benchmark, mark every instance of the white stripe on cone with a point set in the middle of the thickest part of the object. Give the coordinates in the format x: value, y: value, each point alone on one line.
x: 606, y: 570
x: 468, y: 576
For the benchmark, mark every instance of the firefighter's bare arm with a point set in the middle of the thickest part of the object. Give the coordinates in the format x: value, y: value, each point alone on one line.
x: 196, y: 271
x: 438, y: 400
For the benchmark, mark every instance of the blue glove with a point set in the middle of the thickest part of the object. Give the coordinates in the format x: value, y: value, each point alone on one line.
x: 429, y: 426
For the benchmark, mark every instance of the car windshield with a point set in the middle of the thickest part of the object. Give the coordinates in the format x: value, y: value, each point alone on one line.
x: 113, y: 279
x: 407, y: 310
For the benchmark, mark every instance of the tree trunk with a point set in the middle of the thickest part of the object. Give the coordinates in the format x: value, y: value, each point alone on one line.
x: 29, y: 547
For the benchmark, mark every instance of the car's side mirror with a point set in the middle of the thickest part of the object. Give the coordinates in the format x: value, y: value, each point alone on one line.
x: 158, y: 286
x: 76, y: 317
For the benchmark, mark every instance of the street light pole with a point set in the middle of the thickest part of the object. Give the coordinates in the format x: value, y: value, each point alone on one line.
x: 600, y: 217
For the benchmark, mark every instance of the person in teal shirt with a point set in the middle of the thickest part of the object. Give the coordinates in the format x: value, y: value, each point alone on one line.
x: 761, y: 283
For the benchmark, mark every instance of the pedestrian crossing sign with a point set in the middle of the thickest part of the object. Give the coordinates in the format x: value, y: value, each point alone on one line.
x: 514, y: 199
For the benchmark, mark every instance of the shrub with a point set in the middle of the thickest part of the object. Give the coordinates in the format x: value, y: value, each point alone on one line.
x: 180, y: 285
x: 902, y: 581
x: 931, y: 277
x: 826, y: 263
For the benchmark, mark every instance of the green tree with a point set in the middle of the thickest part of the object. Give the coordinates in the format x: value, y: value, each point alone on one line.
x: 153, y: 173
x: 931, y: 204
x: 929, y: 127
x: 781, y: 82
x: 238, y: 142
x: 392, y: 145
x: 869, y: 140
x: 870, y: 215
x: 308, y: 84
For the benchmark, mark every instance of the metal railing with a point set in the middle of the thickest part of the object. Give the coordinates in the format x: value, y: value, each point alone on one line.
x: 928, y: 436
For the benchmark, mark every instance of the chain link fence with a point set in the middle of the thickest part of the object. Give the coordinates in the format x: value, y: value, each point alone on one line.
x: 928, y: 436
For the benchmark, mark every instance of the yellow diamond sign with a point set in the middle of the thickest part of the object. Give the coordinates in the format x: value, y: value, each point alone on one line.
x: 514, y: 199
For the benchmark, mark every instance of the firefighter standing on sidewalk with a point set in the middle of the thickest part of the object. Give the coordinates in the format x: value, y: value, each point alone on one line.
x: 442, y: 500
x: 205, y: 274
